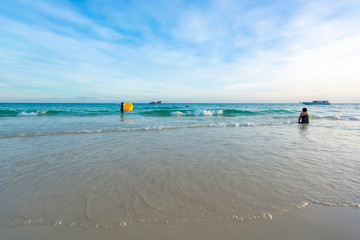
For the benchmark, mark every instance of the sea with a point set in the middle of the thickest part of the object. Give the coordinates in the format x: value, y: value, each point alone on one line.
x: 88, y: 166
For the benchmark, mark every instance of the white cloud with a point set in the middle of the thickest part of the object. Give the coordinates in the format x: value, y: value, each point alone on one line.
x: 224, y: 50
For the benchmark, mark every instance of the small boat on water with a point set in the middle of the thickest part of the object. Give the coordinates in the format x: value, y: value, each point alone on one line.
x: 158, y: 102
x: 317, y: 102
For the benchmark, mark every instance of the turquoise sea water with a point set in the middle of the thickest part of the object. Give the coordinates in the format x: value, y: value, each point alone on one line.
x: 43, y: 119
x: 89, y: 166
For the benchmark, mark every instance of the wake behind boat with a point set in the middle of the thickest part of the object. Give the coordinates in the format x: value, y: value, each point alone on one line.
x: 317, y: 102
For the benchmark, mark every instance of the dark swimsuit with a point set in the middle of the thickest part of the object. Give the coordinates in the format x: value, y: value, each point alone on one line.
x: 305, y: 118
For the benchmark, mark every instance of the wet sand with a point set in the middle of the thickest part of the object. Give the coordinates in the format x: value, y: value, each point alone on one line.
x: 312, y: 222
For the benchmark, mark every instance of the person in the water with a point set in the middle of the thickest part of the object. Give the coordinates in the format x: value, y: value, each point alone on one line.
x: 304, y: 116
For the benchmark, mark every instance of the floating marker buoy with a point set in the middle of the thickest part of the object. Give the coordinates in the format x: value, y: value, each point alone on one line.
x: 11, y: 105
x: 127, y: 106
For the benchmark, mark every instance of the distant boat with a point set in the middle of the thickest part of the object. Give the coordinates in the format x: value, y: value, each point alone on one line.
x: 317, y: 102
x: 158, y: 102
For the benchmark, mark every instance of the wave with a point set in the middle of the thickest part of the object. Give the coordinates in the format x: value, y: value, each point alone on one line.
x: 144, y: 112
x: 146, y: 128
x: 45, y: 113
x: 8, y: 113
x: 349, y: 118
x: 23, y: 113
x: 336, y: 117
x: 172, y: 112
x: 27, y: 113
x: 238, y: 112
x: 211, y: 112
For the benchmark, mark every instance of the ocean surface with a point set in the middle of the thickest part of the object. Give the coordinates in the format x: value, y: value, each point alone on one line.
x: 89, y: 166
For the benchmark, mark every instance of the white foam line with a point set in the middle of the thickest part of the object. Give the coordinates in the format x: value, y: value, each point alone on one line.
x: 329, y: 204
x: 212, y: 125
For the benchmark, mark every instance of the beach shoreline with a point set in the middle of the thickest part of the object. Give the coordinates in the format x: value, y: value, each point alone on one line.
x: 312, y: 222
x: 202, y: 177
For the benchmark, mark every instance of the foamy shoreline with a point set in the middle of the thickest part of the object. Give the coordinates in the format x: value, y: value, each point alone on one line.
x: 312, y: 222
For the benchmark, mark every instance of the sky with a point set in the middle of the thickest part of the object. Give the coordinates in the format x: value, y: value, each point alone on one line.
x: 234, y: 51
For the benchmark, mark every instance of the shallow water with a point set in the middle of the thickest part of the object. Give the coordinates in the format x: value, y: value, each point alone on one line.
x: 108, y: 171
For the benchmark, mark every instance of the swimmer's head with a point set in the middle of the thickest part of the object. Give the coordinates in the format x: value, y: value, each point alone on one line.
x: 304, y: 109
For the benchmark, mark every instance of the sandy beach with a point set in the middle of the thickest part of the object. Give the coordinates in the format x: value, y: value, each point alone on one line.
x: 312, y: 222
x: 229, y: 172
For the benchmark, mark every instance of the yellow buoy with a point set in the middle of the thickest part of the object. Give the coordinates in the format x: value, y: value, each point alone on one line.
x: 127, y: 106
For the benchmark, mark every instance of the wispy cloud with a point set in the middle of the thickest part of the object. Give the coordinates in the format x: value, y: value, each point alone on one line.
x: 233, y: 51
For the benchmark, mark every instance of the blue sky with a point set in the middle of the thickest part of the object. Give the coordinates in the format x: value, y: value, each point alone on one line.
x: 179, y: 51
